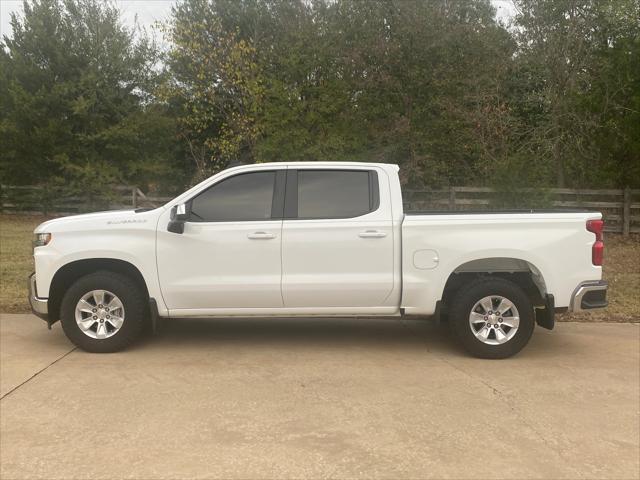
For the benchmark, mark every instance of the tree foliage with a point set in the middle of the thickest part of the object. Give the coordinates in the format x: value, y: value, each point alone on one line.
x: 584, y: 61
x: 215, y: 83
x: 441, y: 87
x: 75, y: 103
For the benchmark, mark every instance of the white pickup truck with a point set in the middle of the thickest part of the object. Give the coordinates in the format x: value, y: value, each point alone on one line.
x: 314, y: 239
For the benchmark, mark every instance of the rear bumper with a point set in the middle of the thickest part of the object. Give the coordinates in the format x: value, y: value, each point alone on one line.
x: 589, y: 295
x: 39, y: 306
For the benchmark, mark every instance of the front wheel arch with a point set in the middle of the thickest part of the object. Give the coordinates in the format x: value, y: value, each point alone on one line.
x: 69, y: 273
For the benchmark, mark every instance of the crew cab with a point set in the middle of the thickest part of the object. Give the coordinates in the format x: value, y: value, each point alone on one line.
x: 314, y: 239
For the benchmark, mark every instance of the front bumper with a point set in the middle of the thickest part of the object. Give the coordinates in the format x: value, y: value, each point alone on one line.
x: 589, y: 295
x: 39, y: 306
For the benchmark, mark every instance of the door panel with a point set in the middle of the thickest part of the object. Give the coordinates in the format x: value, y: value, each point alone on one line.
x: 346, y: 258
x: 328, y: 263
x: 229, y: 255
x: 221, y: 265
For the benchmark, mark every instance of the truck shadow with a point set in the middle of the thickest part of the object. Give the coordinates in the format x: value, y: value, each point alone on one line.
x: 296, y: 334
x: 375, y: 334
x: 290, y: 332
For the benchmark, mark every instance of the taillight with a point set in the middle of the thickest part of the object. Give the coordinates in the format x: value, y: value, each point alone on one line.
x: 597, y: 250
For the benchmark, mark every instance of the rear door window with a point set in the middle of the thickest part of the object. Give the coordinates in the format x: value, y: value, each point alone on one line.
x: 336, y: 193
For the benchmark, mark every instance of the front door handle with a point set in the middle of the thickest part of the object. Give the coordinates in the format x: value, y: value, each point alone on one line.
x: 372, y: 234
x: 261, y: 236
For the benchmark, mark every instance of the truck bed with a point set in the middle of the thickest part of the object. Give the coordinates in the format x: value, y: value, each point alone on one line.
x: 554, y: 244
x: 497, y: 212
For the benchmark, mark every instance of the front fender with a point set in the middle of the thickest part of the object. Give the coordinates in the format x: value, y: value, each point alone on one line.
x: 136, y: 248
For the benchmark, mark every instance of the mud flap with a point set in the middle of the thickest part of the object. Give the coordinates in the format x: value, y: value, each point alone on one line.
x: 155, y: 317
x: 545, y: 317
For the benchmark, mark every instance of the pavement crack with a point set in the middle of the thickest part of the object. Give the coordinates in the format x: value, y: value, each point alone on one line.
x: 509, y: 400
x: 452, y: 365
x: 37, y: 373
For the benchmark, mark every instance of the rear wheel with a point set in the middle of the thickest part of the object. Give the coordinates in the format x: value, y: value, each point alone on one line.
x: 103, y: 312
x: 492, y: 318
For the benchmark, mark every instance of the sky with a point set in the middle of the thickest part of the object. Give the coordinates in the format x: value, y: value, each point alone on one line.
x: 148, y: 12
x: 151, y: 11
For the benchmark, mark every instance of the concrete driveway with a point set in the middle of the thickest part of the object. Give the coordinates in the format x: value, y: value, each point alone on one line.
x: 325, y: 398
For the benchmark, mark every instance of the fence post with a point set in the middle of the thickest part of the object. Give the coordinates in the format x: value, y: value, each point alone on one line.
x: 134, y: 197
x: 626, y: 212
x: 43, y: 202
x: 452, y: 198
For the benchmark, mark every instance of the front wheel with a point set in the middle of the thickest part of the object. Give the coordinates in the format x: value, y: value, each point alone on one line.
x: 492, y: 318
x: 103, y: 312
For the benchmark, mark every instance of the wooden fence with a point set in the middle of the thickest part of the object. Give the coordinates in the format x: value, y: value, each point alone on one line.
x: 621, y: 208
x: 55, y: 201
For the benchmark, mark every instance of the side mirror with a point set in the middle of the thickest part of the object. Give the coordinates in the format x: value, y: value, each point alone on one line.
x: 179, y: 215
x: 181, y: 212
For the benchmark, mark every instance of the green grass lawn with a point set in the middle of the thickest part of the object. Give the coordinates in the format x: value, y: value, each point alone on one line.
x: 622, y: 270
x: 16, y: 261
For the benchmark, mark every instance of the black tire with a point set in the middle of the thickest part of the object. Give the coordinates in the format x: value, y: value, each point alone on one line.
x: 472, y: 293
x: 135, y: 306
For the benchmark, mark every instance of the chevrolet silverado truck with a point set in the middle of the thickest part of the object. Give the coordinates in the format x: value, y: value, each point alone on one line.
x: 314, y: 239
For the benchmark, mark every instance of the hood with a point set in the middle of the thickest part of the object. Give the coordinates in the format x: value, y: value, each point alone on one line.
x: 93, y: 220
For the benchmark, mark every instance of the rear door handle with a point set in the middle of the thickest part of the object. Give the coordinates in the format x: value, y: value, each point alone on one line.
x: 372, y: 234
x: 261, y: 236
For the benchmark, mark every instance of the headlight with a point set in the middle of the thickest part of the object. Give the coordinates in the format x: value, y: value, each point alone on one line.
x: 41, y: 239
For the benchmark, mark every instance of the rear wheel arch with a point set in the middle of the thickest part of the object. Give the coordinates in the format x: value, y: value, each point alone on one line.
x: 521, y: 272
x: 72, y: 271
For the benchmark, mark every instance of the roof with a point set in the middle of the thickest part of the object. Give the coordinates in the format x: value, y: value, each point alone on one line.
x: 316, y: 164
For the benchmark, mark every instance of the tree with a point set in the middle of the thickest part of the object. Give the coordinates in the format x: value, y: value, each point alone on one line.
x: 75, y: 105
x: 214, y: 85
x: 440, y: 87
x: 395, y: 81
x: 582, y: 57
